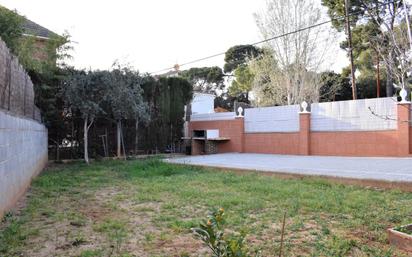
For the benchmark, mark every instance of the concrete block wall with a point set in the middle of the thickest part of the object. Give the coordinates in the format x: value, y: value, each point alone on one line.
x: 23, y: 154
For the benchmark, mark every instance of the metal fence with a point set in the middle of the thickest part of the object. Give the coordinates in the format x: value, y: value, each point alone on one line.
x: 16, y: 87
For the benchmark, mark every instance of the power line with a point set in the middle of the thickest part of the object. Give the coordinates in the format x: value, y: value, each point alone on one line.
x: 269, y: 39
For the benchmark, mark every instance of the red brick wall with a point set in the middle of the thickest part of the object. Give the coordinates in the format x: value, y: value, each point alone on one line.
x: 274, y: 143
x: 410, y: 140
x: 338, y: 143
x: 354, y: 143
x: 232, y: 129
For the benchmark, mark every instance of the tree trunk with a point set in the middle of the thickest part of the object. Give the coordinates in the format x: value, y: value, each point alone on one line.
x: 389, y: 83
x: 389, y: 76
x: 119, y: 140
x: 136, y: 139
x: 85, y: 138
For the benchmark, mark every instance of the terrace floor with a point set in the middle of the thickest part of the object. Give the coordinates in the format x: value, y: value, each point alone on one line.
x: 365, y: 168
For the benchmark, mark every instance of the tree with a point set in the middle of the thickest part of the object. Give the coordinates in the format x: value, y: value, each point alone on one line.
x: 296, y: 57
x: 125, y: 98
x: 378, y: 20
x: 86, y: 92
x: 242, y: 84
x: 206, y: 79
x: 166, y: 98
x: 11, y: 28
x: 334, y: 87
x: 238, y: 55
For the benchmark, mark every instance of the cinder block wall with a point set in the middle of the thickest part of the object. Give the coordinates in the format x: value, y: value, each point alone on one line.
x: 23, y: 154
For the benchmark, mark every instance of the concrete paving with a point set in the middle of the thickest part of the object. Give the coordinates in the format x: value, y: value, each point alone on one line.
x: 373, y: 168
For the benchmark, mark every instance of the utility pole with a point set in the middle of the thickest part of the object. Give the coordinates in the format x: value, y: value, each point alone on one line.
x: 352, y: 70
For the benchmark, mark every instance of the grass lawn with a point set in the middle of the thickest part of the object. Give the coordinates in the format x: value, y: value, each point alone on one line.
x: 147, y: 207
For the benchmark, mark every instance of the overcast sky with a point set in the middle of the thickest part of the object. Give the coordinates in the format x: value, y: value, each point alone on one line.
x: 149, y: 34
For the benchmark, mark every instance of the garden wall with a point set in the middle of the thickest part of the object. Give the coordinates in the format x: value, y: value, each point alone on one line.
x: 367, y: 127
x: 23, y: 154
x: 23, y: 139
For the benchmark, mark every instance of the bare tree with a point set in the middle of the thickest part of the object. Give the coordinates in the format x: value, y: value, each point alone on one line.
x: 287, y: 73
x: 393, y: 42
x: 391, y: 39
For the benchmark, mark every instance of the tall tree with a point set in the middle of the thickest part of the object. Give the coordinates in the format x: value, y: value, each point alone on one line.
x: 125, y: 98
x: 238, y: 55
x: 299, y: 56
x: 206, y: 79
x: 380, y: 15
x: 242, y: 84
x: 86, y: 92
x: 166, y: 98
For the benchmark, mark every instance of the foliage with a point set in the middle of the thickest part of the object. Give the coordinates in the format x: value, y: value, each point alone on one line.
x: 11, y: 28
x: 227, y: 101
x: 243, y: 81
x: 85, y: 91
x: 211, y: 232
x: 239, y: 55
x: 404, y: 229
x: 376, y: 27
x: 125, y: 98
x: 205, y: 79
x: 166, y: 98
x: 288, y: 72
x: 334, y: 87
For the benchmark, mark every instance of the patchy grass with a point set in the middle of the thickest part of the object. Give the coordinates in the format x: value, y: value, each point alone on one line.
x: 146, y: 208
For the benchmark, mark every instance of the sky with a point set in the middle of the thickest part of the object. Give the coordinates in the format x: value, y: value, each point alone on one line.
x: 150, y: 35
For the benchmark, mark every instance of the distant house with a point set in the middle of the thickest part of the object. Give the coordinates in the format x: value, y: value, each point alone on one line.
x: 38, y: 35
x: 41, y: 36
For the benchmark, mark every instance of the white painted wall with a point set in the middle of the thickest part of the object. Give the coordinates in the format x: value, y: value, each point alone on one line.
x: 203, y: 103
x: 354, y: 115
x: 213, y: 116
x: 23, y: 154
x: 272, y: 119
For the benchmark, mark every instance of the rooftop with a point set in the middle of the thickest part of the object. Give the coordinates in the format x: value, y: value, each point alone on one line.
x: 34, y: 29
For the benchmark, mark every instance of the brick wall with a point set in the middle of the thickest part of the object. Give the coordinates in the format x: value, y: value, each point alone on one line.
x: 273, y: 143
x: 389, y: 142
x: 232, y: 129
x: 355, y: 143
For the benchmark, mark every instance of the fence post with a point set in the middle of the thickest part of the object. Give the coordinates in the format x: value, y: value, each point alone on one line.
x: 240, y: 117
x: 304, y: 130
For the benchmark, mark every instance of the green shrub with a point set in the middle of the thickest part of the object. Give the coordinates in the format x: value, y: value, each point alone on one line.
x: 211, y: 232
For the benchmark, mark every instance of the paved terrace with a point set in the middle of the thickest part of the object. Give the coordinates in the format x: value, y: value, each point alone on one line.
x: 369, y: 168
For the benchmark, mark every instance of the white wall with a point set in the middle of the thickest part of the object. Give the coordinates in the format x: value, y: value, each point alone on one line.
x: 203, y: 103
x: 213, y: 116
x: 23, y: 154
x: 272, y: 119
x: 354, y: 115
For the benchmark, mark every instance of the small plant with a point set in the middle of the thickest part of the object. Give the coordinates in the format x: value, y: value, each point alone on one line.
x: 211, y: 232
x: 404, y: 229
